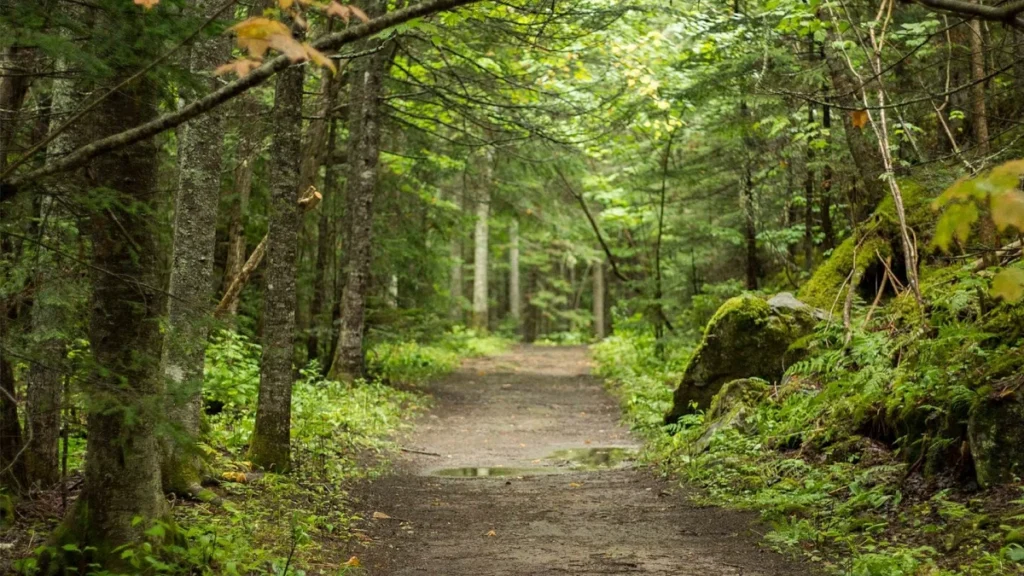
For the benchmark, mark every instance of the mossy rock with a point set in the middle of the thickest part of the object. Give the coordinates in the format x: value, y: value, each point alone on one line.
x: 996, y: 438
x: 878, y: 236
x: 746, y: 338
x: 748, y: 391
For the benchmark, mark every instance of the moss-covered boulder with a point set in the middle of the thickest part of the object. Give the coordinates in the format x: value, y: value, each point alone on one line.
x: 731, y: 408
x: 879, y: 236
x: 996, y: 438
x: 748, y: 337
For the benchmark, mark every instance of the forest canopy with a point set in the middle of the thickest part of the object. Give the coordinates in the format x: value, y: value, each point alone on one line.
x: 217, y: 218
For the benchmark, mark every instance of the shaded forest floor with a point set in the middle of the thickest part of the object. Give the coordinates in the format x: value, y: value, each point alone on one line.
x: 520, y: 410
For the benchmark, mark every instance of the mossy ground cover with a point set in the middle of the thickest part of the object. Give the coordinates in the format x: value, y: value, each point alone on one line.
x: 262, y: 523
x: 858, y: 457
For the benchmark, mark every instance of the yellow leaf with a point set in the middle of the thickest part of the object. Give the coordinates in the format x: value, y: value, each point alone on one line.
x: 1008, y: 284
x: 234, y: 477
x: 259, y: 27
x: 381, y: 516
x: 240, y: 67
x: 319, y: 58
x: 352, y: 562
x: 147, y: 4
x: 575, y: 484
x: 1008, y: 209
x: 491, y: 534
x: 285, y: 4
x: 289, y: 46
x: 859, y: 118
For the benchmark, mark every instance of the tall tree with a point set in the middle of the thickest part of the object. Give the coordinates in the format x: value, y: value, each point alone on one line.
x: 270, y: 445
x: 481, y: 252
x: 363, y: 156
x: 195, y: 227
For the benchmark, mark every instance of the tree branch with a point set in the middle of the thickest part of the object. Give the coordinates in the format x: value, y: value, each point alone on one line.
x: 1004, y: 13
x: 328, y: 42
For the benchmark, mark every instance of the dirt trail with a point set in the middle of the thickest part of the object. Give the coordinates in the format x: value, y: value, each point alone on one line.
x: 515, y: 410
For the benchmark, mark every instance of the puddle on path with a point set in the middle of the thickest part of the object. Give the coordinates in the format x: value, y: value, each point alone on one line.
x: 568, y: 460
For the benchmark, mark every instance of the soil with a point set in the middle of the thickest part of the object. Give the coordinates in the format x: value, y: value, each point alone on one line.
x: 514, y: 411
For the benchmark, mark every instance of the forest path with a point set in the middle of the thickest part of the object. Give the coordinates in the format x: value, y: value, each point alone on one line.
x: 515, y: 410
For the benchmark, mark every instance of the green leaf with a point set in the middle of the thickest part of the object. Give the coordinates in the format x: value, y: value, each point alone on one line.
x: 955, y: 222
x: 1008, y: 284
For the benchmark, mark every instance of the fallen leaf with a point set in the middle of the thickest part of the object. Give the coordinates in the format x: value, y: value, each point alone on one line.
x: 352, y: 562
x: 147, y: 4
x: 234, y: 477
x: 492, y: 534
x: 575, y: 484
x: 381, y: 516
x: 859, y: 118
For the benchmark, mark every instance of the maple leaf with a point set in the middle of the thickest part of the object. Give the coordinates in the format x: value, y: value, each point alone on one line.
x: 338, y: 11
x: 240, y: 67
x: 289, y: 46
x: 320, y: 59
x: 147, y: 4
x: 359, y: 13
x: 257, y: 34
x: 859, y: 118
x: 1008, y: 209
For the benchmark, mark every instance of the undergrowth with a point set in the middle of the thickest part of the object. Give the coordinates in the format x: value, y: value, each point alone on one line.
x: 854, y: 458
x: 295, y: 523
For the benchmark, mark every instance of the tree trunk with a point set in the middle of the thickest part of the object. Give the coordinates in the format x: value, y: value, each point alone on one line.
x: 15, y: 76
x: 455, y: 280
x: 363, y: 156
x: 480, y: 249
x: 122, y: 464
x: 598, y: 300
x: 750, y: 231
x: 531, y: 324
x: 809, y: 197
x: 195, y: 231
x: 864, y: 150
x: 514, y: 297
x: 827, y: 228
x: 270, y: 446
x: 979, y: 115
x: 321, y: 322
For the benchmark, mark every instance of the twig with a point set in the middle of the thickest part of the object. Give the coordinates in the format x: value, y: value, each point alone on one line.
x: 425, y: 453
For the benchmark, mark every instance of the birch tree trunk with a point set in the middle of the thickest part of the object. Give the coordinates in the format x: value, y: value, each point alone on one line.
x: 514, y: 297
x: 195, y: 231
x: 480, y: 249
x: 270, y: 446
x: 363, y: 156
x: 598, y: 301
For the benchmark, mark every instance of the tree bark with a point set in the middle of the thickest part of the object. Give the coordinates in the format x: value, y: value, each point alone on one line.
x: 270, y: 446
x: 195, y: 231
x: 321, y: 322
x: 809, y: 196
x: 15, y: 76
x: 122, y: 464
x: 363, y: 155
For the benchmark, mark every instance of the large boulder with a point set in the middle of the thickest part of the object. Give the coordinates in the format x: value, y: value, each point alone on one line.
x: 748, y: 337
x: 996, y: 438
x: 731, y: 408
